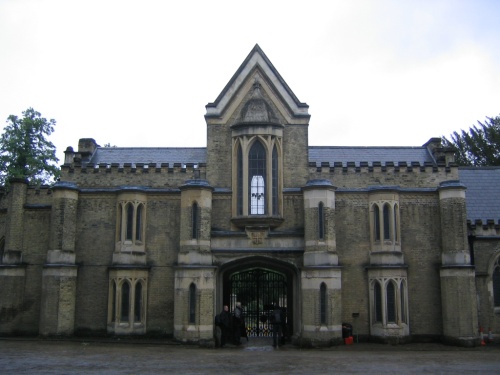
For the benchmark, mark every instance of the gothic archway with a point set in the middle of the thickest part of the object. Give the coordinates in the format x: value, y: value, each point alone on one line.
x: 258, y: 286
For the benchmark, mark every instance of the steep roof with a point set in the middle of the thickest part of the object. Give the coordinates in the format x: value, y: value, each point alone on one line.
x: 384, y: 155
x: 483, y: 192
x: 148, y: 155
x: 257, y: 59
x: 317, y: 154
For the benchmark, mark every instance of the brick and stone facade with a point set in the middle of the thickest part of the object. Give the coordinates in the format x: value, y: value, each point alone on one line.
x: 138, y: 241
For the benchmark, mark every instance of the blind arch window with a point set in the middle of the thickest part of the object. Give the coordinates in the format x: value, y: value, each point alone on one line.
x: 321, y: 221
x: 323, y: 303
x: 195, y: 221
x: 192, y: 304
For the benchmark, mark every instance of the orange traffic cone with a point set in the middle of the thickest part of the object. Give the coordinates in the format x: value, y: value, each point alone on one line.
x: 482, y: 336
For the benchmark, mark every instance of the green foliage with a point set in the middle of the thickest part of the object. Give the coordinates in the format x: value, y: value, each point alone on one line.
x: 25, y: 151
x: 480, y: 146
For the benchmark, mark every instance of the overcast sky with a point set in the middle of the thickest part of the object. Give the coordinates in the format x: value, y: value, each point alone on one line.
x: 139, y: 73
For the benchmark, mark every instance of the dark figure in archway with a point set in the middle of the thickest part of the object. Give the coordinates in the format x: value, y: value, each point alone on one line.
x: 277, y: 322
x: 239, y: 329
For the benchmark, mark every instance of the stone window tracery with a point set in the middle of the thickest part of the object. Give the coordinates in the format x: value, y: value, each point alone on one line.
x: 388, y: 301
x: 385, y: 222
x: 127, y: 301
x: 257, y: 176
x: 131, y: 216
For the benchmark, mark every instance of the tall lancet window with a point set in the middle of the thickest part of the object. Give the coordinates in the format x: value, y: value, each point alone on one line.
x: 239, y: 177
x: 256, y: 178
x: 275, y: 180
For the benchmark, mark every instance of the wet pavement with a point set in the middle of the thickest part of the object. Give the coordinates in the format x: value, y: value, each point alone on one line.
x: 92, y: 356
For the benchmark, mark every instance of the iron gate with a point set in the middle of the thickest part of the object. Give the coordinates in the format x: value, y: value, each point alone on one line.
x: 257, y: 290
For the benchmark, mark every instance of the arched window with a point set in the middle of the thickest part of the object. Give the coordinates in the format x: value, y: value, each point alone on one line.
x: 130, y: 221
x: 376, y: 220
x: 239, y: 181
x: 113, y: 302
x: 391, y: 302
x: 396, y: 214
x: 256, y: 177
x: 387, y: 227
x: 377, y: 301
x: 194, y: 221
x: 138, y: 302
x: 322, y: 303
x: 138, y: 223
x: 384, y: 223
x: 275, y: 180
x: 321, y: 221
x: 402, y: 296
x: 125, y: 302
x: 192, y: 304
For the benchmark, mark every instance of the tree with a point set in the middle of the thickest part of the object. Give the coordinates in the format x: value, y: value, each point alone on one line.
x: 25, y: 151
x: 479, y: 147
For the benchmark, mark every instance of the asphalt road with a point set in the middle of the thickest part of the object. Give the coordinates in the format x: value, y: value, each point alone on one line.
x: 34, y: 356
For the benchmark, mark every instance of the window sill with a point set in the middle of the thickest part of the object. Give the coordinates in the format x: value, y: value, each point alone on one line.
x: 257, y: 220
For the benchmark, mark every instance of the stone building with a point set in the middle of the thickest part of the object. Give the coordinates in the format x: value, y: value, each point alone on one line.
x: 397, y: 241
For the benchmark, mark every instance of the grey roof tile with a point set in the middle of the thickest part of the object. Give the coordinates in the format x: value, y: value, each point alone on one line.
x: 332, y: 154
x: 317, y: 154
x: 483, y: 192
x: 147, y: 155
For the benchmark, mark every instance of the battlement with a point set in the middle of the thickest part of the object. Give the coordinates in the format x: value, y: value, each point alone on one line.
x: 115, y: 174
x: 482, y: 228
x: 384, y: 166
x: 355, y: 175
x: 133, y: 167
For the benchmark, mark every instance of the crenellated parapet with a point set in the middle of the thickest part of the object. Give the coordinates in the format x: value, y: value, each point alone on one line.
x: 352, y: 175
x: 481, y: 228
x: 152, y: 174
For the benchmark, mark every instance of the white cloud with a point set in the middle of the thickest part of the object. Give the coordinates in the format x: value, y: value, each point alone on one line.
x: 139, y: 73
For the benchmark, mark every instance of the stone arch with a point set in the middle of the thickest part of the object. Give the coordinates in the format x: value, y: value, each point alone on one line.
x: 262, y: 264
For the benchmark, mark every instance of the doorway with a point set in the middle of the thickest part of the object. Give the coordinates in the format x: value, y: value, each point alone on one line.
x: 258, y: 289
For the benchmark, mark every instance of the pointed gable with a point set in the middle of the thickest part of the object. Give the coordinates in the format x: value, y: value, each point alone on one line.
x: 257, y: 67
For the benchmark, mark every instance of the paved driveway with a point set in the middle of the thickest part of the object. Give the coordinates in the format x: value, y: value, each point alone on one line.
x: 18, y: 356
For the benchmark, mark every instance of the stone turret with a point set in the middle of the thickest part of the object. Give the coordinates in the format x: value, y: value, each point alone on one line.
x: 57, y: 312
x: 194, y: 275
x: 15, y: 223
x: 321, y: 276
x: 458, y: 288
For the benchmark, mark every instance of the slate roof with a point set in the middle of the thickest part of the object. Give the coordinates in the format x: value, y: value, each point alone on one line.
x: 344, y: 154
x: 147, y: 155
x: 317, y: 154
x: 483, y: 192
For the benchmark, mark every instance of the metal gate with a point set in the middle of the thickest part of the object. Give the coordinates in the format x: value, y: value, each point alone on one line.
x: 258, y: 289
